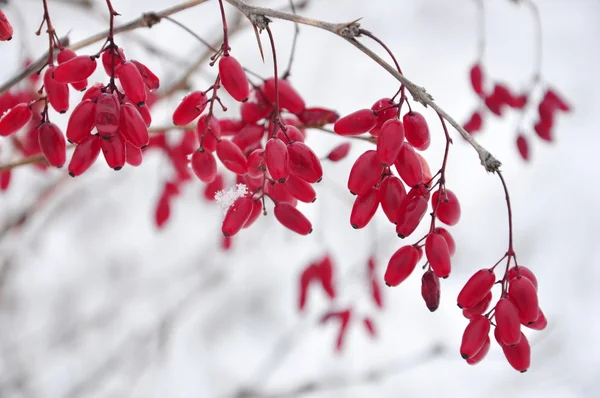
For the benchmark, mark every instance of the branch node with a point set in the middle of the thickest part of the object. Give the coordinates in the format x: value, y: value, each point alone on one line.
x: 349, y: 30
x: 260, y: 21
x: 150, y: 19
x: 418, y: 94
x: 488, y: 161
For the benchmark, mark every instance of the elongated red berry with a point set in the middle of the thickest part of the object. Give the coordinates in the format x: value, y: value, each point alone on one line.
x: 113, y: 149
x: 384, y: 110
x: 133, y: 83
x: 133, y: 154
x: 237, y: 215
x: 519, y: 355
x: 438, y: 255
x: 523, y: 146
x: 392, y: 195
x: 144, y: 112
x: 190, y: 107
x: 15, y: 119
x: 476, y: 288
x: 234, y: 78
x: 280, y: 194
x: 108, y: 114
x: 257, y: 209
x: 476, y: 75
x: 390, y: 141
x: 132, y: 126
x: 288, y: 97
x: 232, y: 157
x: 364, y: 208
x: 84, y: 155
x: 523, y: 294
x: 478, y: 308
x: 300, y: 189
x: 513, y: 272
x: 416, y: 130
x: 365, y: 173
x: 481, y: 354
x: 209, y: 132
x: 339, y: 152
x: 474, y: 336
x: 93, y: 92
x: 410, y: 216
x: 304, y: 163
x: 430, y: 290
x: 409, y: 166
x: 249, y: 136
x: 449, y: 239
x: 292, y: 218
x: 74, y: 70
x: 112, y: 59
x: 6, y: 30
x: 256, y: 163
x: 540, y: 323
x: 277, y: 160
x: 356, y: 123
x: 508, y: 325
x: 52, y: 144
x: 150, y: 79
x: 291, y: 134
x: 448, y: 207
x: 82, y: 121
x: 204, y: 165
x: 252, y: 112
x: 318, y: 116
x: 401, y: 265
x: 58, y: 93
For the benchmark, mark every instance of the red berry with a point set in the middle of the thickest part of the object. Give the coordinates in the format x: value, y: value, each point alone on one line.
x: 277, y: 160
x: 318, y: 116
x: 392, y: 195
x: 401, y: 265
x: 85, y: 154
x: 513, y: 272
x: 417, y: 131
x: 150, y: 79
x: 356, y: 123
x: 449, y: 240
x: 252, y: 112
x: 58, y: 93
x: 411, y: 215
x: 257, y: 208
x: 52, y: 144
x: 237, y: 215
x: 474, y: 124
x: 523, y: 146
x: 145, y: 114
x: 133, y: 127
x: 365, y: 173
x: 256, y: 166
x: 108, y: 113
x: 249, y: 136
x: 300, y: 189
x: 6, y: 30
x: 209, y: 131
x: 133, y: 83
x: 475, y: 336
x: 523, y: 294
x: 15, y: 119
x: 190, y: 107
x: 477, y: 79
x: 438, y: 255
x: 288, y: 97
x: 204, y: 165
x: 385, y: 111
x: 75, y: 69
x: 475, y: 359
x: 291, y: 218
x: 478, y: 308
x: 508, y: 325
x: 232, y: 157
x: 280, y: 194
x: 230, y: 126
x: 540, y: 323
x: 81, y: 121
x: 430, y: 290
x: 112, y: 59
x: 234, y: 78
x: 93, y: 92
x: 133, y: 155
x: 113, y: 149
x: 291, y: 134
x: 519, y: 355
x: 390, y: 141
x: 409, y: 166
x: 364, y: 208
x: 476, y: 288
x: 448, y: 208
x: 339, y: 152
x: 304, y: 163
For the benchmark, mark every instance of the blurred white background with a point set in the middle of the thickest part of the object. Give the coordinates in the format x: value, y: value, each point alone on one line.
x: 95, y: 302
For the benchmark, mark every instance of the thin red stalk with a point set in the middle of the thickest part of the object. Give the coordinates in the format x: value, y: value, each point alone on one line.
x: 442, y: 173
x: 225, y: 37
x: 51, y: 33
x: 275, y: 72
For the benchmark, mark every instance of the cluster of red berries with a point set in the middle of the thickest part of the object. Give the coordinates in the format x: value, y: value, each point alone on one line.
x: 6, y: 29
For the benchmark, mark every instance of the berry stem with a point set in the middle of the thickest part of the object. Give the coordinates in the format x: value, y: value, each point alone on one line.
x: 225, y: 30
x: 442, y: 173
x: 51, y: 33
x: 275, y: 74
x: 510, y: 252
x: 287, y: 72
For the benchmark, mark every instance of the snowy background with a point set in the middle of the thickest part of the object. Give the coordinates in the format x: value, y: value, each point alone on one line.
x: 94, y: 302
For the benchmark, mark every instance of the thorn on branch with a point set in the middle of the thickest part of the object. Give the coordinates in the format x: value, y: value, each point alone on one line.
x: 150, y: 19
x: 350, y: 30
x: 418, y: 96
x: 259, y: 21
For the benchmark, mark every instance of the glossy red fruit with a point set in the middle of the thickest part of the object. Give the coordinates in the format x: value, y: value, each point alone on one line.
x: 277, y: 160
x: 409, y: 166
x: 449, y: 239
x: 292, y: 218
x: 478, y: 308
x: 448, y: 207
x: 364, y: 208
x: 208, y: 129
x: 339, y: 152
x: 252, y: 112
x: 233, y: 78
x: 385, y: 111
x: 390, y: 141
x: 93, y: 92
x: 411, y: 215
x: 430, y: 290
x: 108, y: 114
x: 15, y: 119
x: 519, y: 355
x: 513, y: 272
x: 150, y: 79
x: 291, y: 134
x: 508, y: 325
x: 365, y: 173
x: 401, y: 265
x: 58, y: 93
x: 300, y: 189
x: 356, y: 123
x: 476, y: 75
x: 75, y: 69
x: 113, y: 149
x: 84, y: 155
x: 523, y: 146
x: 540, y: 323
x: 190, y: 107
x: 474, y: 124
x: 232, y: 157
x: 6, y: 29
x: 318, y: 116
x: 416, y: 130
x: 257, y: 209
x: 481, y: 354
x: 204, y: 165
x: 144, y: 112
x: 523, y: 294
x: 133, y: 155
x: 474, y: 336
x: 256, y: 165
x: 52, y: 144
x: 280, y: 194
x: 249, y: 136
x: 230, y: 126
x: 304, y: 163
x: 476, y: 288
x: 392, y: 195
x: 288, y: 97
x: 438, y: 254
x: 132, y: 126
x: 82, y: 121
x: 112, y: 59
x: 237, y: 215
x: 133, y: 83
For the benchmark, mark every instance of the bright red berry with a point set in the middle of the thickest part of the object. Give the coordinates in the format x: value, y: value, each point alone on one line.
x: 476, y: 75
x: 52, y: 144
x: 84, y: 155
x: 540, y: 323
x: 416, y: 130
x: 6, y: 30
x: 390, y: 141
x: 474, y: 336
x: 288, y: 97
x: 232, y: 157
x: 523, y: 146
x: 234, y: 78
x: 113, y: 149
x: 108, y: 113
x: 304, y: 163
x: 252, y: 112
x: 481, y: 354
x: 81, y: 121
x: 519, y: 355
x: 58, y: 93
x: 204, y: 165
x: 448, y: 207
x: 438, y: 254
x: 523, y: 294
x: 75, y: 69
x: 132, y: 126
x: 277, y: 160
x: 364, y: 208
x: 430, y: 290
x: 150, y: 79
x: 237, y: 215
x: 409, y: 166
x: 411, y: 215
x: 133, y: 155
x: 356, y: 123
x: 339, y: 152
x: 508, y: 325
x: 292, y: 218
x: 318, y: 116
x: 449, y: 239
x: 478, y: 308
x: 476, y: 288
x: 190, y: 107
x: 133, y: 83
x: 15, y: 119
x: 401, y: 265
x: 112, y: 59
x: 392, y: 195
x: 513, y: 272
x: 365, y: 173
x: 384, y: 110
x: 300, y: 189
